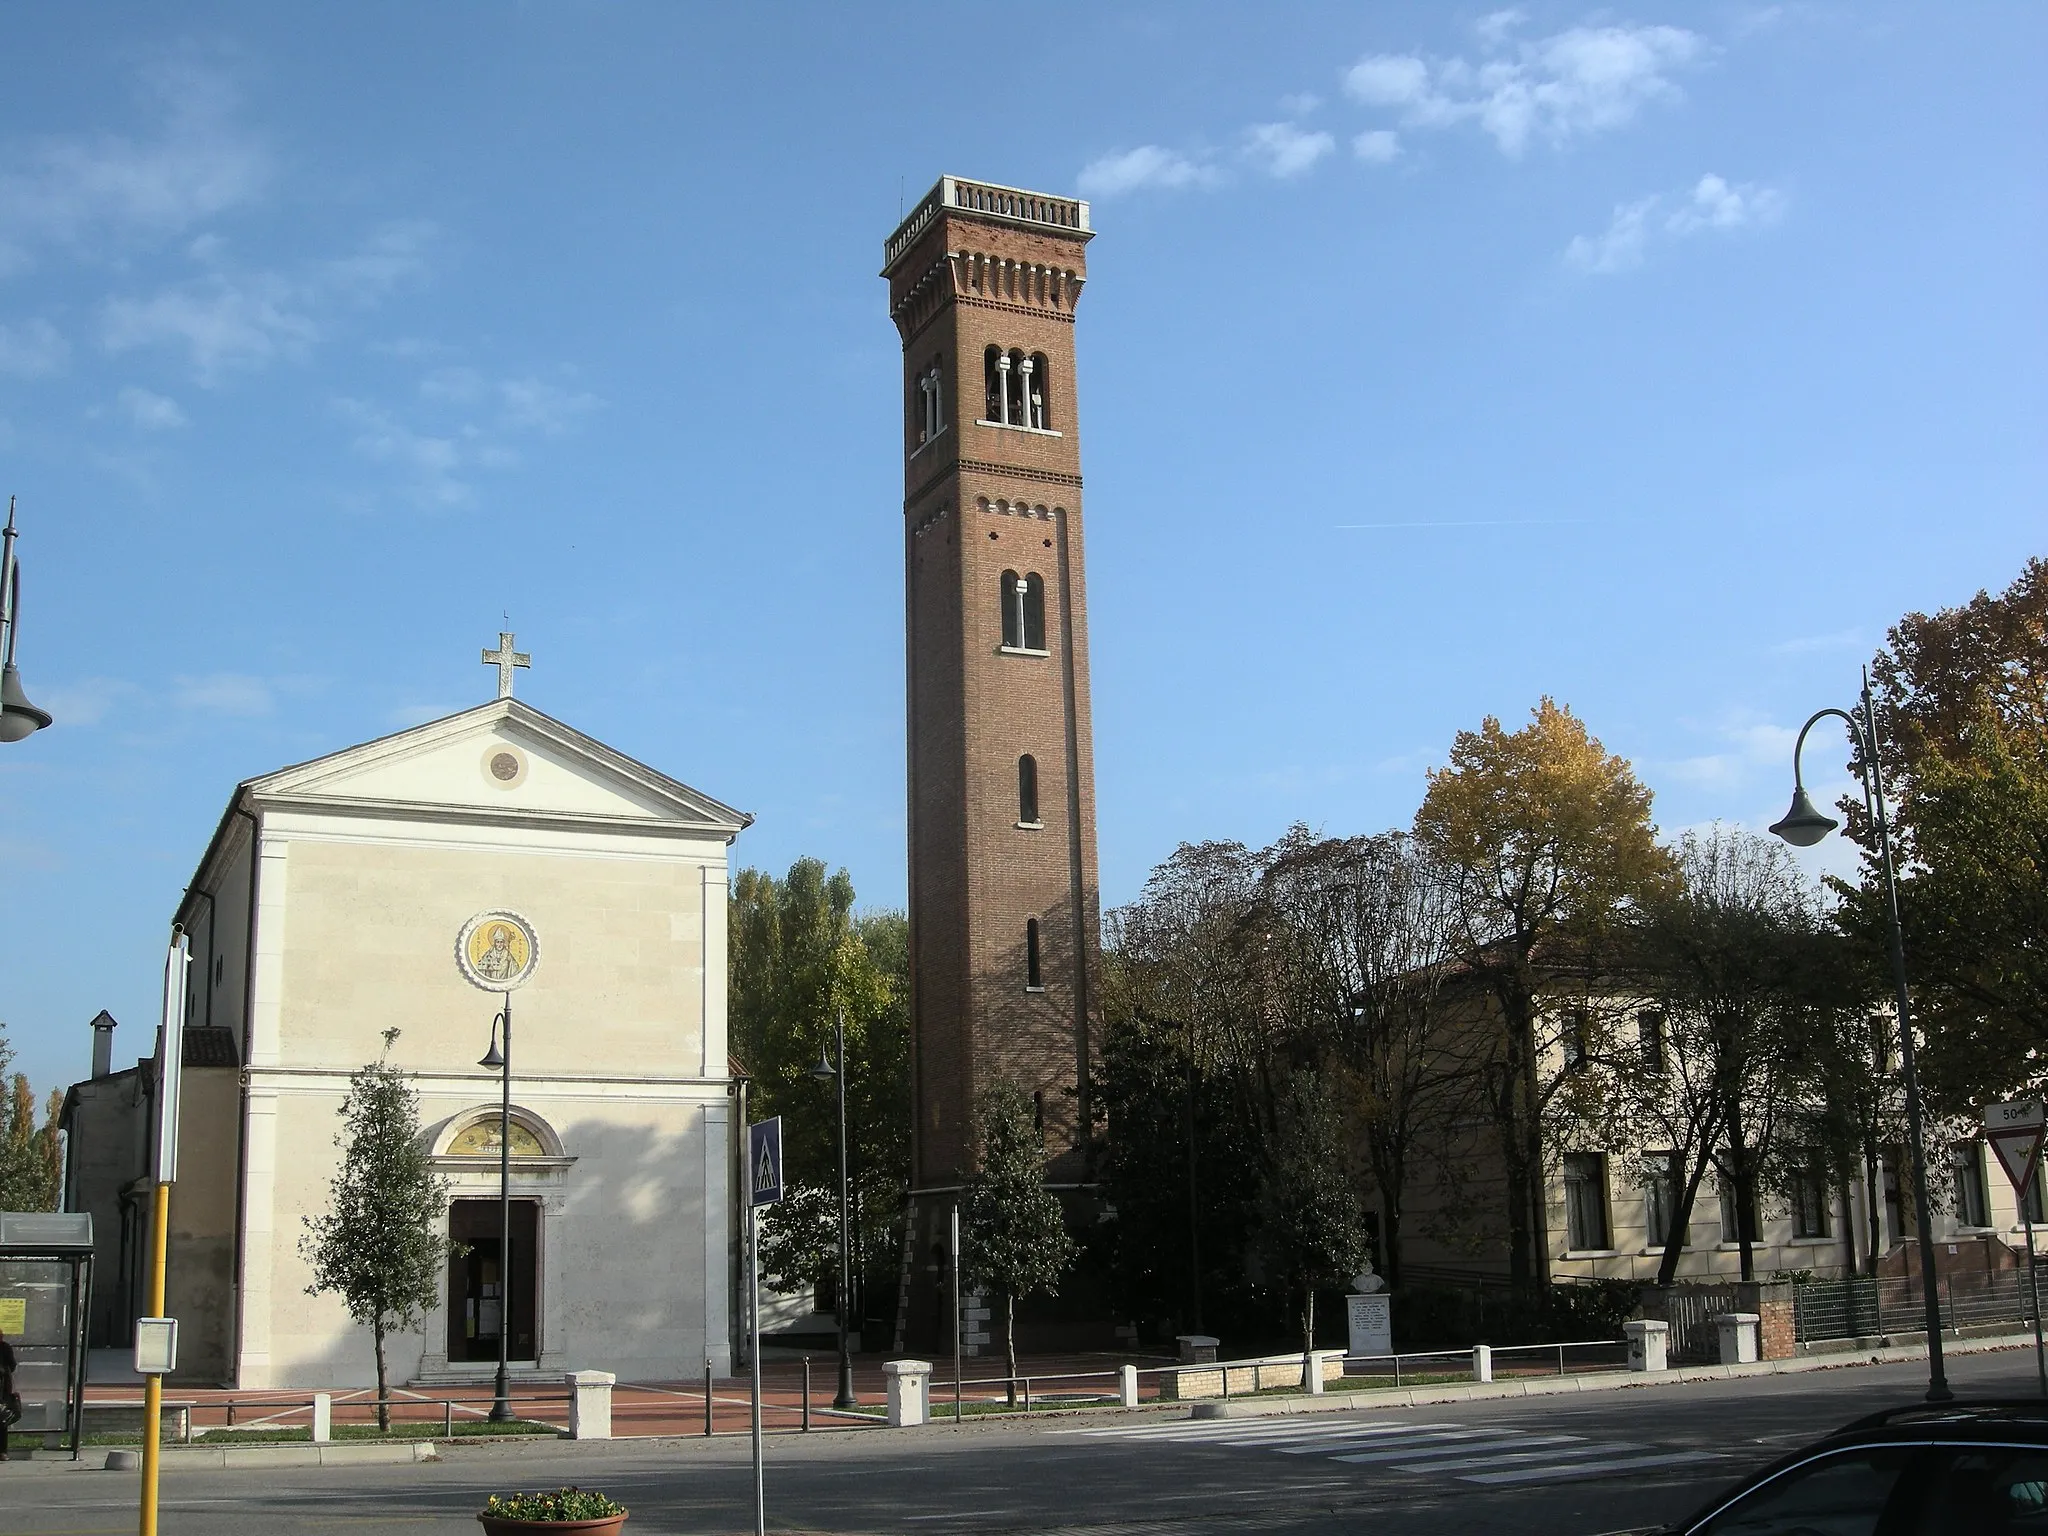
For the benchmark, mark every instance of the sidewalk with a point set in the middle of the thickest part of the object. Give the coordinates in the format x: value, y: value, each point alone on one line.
x: 655, y: 1408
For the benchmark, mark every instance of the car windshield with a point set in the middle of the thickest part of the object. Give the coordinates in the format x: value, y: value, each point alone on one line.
x: 1844, y: 1494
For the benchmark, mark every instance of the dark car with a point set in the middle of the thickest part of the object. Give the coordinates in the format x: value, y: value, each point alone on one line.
x: 1933, y: 1469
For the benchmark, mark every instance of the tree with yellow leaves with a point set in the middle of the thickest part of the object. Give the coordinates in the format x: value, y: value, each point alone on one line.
x: 1551, y: 844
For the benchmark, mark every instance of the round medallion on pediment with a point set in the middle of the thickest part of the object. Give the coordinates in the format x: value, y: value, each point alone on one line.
x: 497, y: 950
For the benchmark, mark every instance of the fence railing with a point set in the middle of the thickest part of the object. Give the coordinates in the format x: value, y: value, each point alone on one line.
x: 1864, y: 1307
x: 1691, y: 1310
x: 297, y: 1413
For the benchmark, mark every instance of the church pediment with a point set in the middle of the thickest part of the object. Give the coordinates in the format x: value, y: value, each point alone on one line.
x: 503, y: 758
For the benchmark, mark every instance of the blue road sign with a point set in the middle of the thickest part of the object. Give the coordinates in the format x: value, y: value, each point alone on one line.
x: 764, y: 1161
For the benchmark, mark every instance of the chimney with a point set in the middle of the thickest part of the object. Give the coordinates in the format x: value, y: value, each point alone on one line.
x: 103, y: 1029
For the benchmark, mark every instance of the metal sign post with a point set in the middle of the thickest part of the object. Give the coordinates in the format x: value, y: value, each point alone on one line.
x: 764, y: 1187
x: 955, y: 1267
x: 2015, y: 1131
x: 170, y: 1062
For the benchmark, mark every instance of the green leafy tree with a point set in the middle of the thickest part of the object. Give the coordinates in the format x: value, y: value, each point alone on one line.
x: 31, y: 1155
x: 1963, y: 737
x: 380, y: 1245
x: 1312, y: 1230
x: 1550, y: 841
x: 1015, y: 1242
x: 799, y: 956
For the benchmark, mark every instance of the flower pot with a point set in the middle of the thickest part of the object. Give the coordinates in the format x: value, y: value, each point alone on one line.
x: 604, y: 1525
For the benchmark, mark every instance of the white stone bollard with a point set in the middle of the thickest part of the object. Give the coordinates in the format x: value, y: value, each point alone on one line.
x: 909, y: 1383
x: 323, y: 1417
x: 1312, y: 1373
x: 1127, y: 1385
x: 1738, y: 1336
x: 1482, y: 1362
x: 590, y: 1404
x: 1648, y: 1341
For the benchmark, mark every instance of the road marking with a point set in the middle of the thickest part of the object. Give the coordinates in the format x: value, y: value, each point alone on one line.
x: 1553, y: 1454
x: 963, y: 1514
x: 1587, y: 1469
x: 1417, y: 1452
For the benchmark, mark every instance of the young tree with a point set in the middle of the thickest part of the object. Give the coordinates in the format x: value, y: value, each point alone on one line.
x: 1015, y: 1240
x: 1311, y: 1232
x: 1732, y: 956
x: 380, y: 1244
x: 1550, y: 839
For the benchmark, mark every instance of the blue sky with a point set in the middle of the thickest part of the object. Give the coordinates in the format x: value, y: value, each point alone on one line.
x: 1434, y: 359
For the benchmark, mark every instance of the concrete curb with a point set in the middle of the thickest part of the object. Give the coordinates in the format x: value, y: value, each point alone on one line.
x: 297, y: 1454
x: 1600, y: 1381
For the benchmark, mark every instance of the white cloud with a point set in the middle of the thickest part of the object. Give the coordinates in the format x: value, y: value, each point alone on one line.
x: 228, y: 320
x: 1620, y: 246
x: 1581, y: 81
x: 1712, y: 204
x: 157, y: 413
x: 439, y: 463
x: 85, y: 702
x: 224, y: 693
x: 1717, y: 205
x: 1146, y: 166
x: 222, y: 322
x: 1285, y: 151
x: 80, y: 190
x: 1300, y: 103
x: 531, y: 405
x: 1378, y: 146
x: 31, y: 350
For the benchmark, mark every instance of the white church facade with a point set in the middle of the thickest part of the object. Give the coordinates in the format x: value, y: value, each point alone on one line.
x: 326, y: 910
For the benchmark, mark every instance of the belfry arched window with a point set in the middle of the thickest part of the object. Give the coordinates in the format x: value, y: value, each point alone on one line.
x: 1033, y: 977
x: 1015, y: 389
x: 1027, y: 790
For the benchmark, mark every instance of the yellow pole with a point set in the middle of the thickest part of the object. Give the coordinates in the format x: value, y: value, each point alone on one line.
x: 153, y: 1386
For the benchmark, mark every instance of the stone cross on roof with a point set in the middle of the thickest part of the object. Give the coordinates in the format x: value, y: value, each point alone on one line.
x: 504, y: 658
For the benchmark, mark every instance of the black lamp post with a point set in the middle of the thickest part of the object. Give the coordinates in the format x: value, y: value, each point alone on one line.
x: 501, y: 1401
x: 19, y: 719
x: 836, y: 1070
x: 1803, y: 826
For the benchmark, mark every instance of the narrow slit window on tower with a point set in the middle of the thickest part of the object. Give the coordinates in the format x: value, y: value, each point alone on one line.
x: 1038, y: 401
x: 1038, y: 1110
x: 931, y: 387
x: 1033, y: 598
x: 1027, y: 791
x: 1010, y: 599
x: 1033, y: 980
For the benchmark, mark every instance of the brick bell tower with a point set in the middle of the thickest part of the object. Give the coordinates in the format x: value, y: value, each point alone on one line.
x: 1004, y: 923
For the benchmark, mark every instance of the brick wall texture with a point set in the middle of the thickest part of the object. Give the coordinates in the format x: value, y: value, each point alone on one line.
x: 981, y: 500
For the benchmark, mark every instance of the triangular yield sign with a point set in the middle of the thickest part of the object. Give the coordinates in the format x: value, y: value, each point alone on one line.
x: 2019, y: 1153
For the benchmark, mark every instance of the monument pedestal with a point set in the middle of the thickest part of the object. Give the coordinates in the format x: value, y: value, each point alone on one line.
x: 1371, y: 1320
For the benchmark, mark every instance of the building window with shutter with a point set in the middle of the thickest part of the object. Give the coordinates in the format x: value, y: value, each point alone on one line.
x: 1972, y: 1208
x: 1811, y: 1199
x: 1650, y: 1041
x: 1661, y: 1177
x: 1027, y: 792
x: 1585, y: 1201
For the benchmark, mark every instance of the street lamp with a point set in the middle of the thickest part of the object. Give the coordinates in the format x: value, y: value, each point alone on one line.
x: 1803, y: 826
x: 835, y: 1069
x: 19, y: 719
x: 501, y: 1401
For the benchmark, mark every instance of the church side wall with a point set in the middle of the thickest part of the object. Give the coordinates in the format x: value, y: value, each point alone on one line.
x: 199, y: 1273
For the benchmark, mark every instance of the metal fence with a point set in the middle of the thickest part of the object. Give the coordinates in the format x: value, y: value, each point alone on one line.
x: 1865, y: 1308
x: 1691, y: 1310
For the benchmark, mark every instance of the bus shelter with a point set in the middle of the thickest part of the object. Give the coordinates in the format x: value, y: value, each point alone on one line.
x: 45, y: 1295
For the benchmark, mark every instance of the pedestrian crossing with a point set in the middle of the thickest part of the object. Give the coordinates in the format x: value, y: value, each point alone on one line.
x: 1489, y: 1457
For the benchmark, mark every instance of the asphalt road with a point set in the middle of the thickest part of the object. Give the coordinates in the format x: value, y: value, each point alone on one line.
x: 1564, y: 1466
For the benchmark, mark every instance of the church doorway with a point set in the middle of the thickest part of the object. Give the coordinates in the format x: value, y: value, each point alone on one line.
x: 480, y: 1300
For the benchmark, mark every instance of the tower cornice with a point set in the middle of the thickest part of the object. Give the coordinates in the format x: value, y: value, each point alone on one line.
x: 990, y: 203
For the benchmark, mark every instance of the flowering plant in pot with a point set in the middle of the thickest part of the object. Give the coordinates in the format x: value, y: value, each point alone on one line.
x: 555, y: 1511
